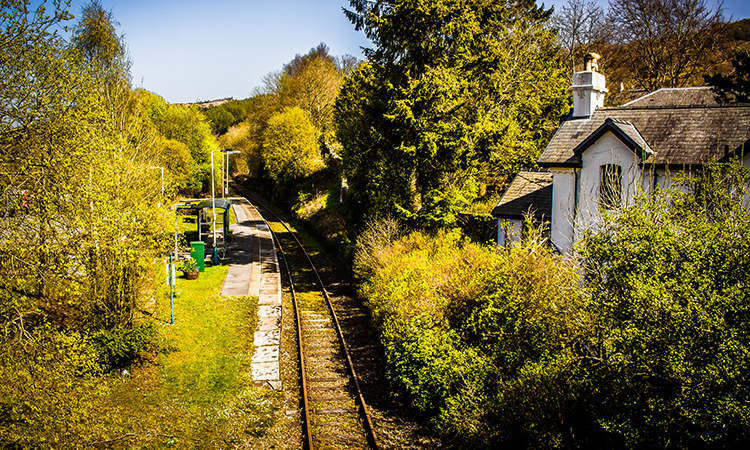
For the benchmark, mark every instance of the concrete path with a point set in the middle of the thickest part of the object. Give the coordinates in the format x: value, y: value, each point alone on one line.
x: 253, y: 271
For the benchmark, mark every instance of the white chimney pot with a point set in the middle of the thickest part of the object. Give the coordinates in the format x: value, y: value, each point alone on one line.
x: 588, y: 89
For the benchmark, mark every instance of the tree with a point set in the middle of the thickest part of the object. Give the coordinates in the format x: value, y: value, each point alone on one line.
x: 95, y: 35
x: 187, y: 125
x: 314, y: 88
x: 580, y: 26
x: 453, y: 94
x: 736, y: 85
x: 290, y: 145
x: 667, y: 43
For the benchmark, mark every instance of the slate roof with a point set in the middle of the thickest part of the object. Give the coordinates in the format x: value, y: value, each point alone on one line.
x: 683, y: 126
x: 675, y: 97
x: 529, y: 192
x: 625, y: 131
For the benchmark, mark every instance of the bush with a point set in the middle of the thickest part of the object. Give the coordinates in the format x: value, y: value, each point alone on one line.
x: 483, y: 340
x: 512, y: 347
x: 668, y: 283
x: 120, y: 347
x: 50, y: 392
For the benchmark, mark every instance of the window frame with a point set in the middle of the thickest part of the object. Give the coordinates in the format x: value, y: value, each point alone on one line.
x: 610, y: 186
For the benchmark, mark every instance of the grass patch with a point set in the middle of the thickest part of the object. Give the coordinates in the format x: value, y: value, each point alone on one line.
x: 199, y: 392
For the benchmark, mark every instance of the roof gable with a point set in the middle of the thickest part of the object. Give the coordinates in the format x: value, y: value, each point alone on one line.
x: 624, y: 131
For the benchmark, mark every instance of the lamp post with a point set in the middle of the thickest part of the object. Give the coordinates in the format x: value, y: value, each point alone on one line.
x: 213, y: 200
x: 162, y: 184
x: 232, y: 152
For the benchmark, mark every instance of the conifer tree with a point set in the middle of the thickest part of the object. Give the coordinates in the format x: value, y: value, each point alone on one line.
x: 453, y: 94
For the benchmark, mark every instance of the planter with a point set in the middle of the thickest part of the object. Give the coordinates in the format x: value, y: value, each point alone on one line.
x: 192, y: 275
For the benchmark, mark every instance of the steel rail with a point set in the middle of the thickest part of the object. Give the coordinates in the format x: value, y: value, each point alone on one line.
x: 367, y: 422
x: 300, y: 346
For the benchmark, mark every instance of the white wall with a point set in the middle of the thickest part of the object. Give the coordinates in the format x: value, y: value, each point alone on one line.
x: 607, y: 150
x: 563, y: 205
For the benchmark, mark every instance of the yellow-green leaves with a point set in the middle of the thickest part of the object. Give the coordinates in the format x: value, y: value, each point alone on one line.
x: 290, y: 145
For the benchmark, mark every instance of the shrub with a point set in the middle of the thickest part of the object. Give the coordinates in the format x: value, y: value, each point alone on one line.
x: 668, y: 282
x: 120, y: 347
x: 482, y: 339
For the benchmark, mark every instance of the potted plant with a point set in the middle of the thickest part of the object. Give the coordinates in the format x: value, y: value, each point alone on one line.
x: 190, y: 269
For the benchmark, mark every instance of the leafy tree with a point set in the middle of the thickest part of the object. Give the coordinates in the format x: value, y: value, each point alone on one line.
x: 736, y: 85
x: 314, y: 88
x: 96, y: 36
x: 290, y: 145
x: 453, y: 93
x: 668, y: 281
x: 187, y: 125
x: 77, y: 253
x: 666, y: 43
x: 309, y: 82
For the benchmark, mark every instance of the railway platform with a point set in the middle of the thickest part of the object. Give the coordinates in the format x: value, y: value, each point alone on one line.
x: 253, y: 271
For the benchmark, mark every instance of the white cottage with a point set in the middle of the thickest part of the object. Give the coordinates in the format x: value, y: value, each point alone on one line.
x: 600, y: 158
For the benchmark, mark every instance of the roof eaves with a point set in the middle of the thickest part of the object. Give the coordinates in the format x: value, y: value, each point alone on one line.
x: 612, y: 125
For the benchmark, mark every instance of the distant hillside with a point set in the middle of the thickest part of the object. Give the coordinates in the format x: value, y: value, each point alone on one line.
x: 210, y: 103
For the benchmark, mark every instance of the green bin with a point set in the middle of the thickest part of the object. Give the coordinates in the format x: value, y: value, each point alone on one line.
x: 198, y: 253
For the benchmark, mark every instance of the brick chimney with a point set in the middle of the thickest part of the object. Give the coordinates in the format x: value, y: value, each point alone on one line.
x: 588, y: 87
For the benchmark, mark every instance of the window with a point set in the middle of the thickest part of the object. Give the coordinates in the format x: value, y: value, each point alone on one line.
x: 610, y: 186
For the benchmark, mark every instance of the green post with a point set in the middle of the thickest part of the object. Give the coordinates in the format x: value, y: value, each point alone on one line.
x: 171, y: 278
x: 197, y: 251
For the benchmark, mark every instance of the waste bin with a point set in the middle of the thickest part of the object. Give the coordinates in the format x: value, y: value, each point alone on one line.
x: 197, y: 252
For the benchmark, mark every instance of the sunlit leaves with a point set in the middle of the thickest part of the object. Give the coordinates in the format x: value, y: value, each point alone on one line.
x: 290, y: 145
x: 668, y: 280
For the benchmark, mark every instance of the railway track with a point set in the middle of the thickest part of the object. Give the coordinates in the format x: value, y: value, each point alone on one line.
x: 334, y: 413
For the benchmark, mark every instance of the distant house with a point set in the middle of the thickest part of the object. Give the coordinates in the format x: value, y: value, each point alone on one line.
x: 600, y: 157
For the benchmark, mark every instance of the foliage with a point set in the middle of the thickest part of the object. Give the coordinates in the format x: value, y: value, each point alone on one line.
x: 188, y: 126
x: 77, y: 258
x: 309, y: 82
x: 190, y: 266
x: 118, y: 348
x: 244, y: 138
x: 96, y: 36
x: 453, y: 94
x: 314, y: 88
x: 668, y: 281
x: 227, y: 115
x: 512, y: 347
x: 50, y: 391
x: 290, y: 145
x: 482, y: 340
x: 736, y: 85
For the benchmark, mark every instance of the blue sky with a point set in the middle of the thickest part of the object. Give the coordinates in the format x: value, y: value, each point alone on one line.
x: 187, y: 51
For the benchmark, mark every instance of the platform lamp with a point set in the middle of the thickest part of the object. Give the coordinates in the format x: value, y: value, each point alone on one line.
x: 213, y: 201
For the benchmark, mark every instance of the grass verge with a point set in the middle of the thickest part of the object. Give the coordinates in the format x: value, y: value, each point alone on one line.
x: 197, y: 392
